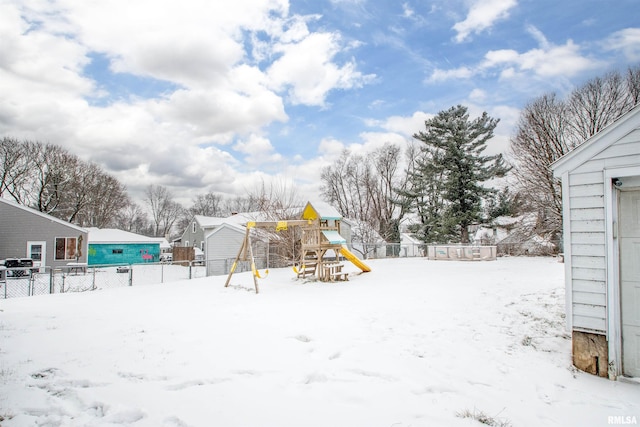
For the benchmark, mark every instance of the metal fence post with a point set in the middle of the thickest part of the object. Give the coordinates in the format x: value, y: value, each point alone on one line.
x: 161, y: 273
x: 130, y: 275
x: 51, y: 283
x: 93, y: 284
x: 190, y: 264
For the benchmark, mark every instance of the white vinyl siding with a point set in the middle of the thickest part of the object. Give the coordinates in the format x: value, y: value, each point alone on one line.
x: 588, y: 227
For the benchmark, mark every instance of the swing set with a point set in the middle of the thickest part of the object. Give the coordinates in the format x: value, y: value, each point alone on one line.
x: 320, y: 233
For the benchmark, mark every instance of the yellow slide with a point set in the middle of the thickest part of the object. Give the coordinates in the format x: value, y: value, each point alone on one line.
x: 354, y: 259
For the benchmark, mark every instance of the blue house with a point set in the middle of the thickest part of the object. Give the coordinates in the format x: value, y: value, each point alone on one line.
x: 109, y: 246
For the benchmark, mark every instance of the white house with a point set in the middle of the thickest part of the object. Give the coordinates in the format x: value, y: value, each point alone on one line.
x: 601, y: 221
x: 223, y: 243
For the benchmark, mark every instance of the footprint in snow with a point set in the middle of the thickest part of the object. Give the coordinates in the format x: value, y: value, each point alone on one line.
x: 302, y: 338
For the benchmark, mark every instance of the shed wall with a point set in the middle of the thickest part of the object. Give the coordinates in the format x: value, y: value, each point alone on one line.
x: 588, y: 239
x: 123, y: 253
x: 222, y: 245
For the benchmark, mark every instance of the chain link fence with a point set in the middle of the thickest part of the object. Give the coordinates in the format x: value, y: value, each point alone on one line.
x: 23, y: 282
x: 20, y: 282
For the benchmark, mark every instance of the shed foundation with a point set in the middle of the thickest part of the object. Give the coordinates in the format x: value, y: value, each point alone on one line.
x: 591, y: 353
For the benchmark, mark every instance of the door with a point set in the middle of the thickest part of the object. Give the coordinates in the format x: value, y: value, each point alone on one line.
x: 38, y: 253
x: 629, y: 235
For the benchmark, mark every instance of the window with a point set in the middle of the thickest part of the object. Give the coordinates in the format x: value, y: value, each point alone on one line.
x: 36, y: 252
x: 194, y: 227
x: 186, y: 243
x: 65, y: 248
x: 116, y: 251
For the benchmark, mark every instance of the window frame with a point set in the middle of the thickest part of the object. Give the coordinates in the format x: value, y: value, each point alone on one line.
x: 70, y: 248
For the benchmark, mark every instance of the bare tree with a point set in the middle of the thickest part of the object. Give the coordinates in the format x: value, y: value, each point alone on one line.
x: 133, y: 218
x: 336, y: 181
x: 370, y: 189
x: 47, y: 176
x: 596, y: 104
x: 164, y: 210
x: 14, y: 168
x: 633, y: 84
x: 209, y: 204
x: 347, y: 185
x: 279, y: 201
x: 548, y: 128
x: 108, y: 197
x: 387, y: 192
x: 240, y: 204
x: 542, y: 137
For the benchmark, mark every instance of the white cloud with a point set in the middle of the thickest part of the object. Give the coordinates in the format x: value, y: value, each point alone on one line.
x: 258, y: 150
x: 439, y: 75
x: 407, y: 126
x: 627, y: 41
x: 548, y: 60
x: 482, y: 15
x: 477, y: 95
x: 330, y: 147
x: 211, y: 55
x: 407, y: 10
x: 307, y: 69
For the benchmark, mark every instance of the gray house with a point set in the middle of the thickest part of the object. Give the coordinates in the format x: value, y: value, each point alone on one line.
x: 601, y: 221
x: 195, y: 233
x: 48, y: 241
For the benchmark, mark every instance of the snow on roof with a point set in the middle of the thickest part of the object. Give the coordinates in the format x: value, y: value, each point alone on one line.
x: 322, y: 209
x: 237, y: 227
x: 408, y: 238
x: 506, y: 221
x: 113, y: 235
x: 43, y: 215
x: 240, y: 227
x: 208, y: 221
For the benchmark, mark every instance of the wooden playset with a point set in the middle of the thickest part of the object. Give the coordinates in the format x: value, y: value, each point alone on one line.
x: 320, y: 231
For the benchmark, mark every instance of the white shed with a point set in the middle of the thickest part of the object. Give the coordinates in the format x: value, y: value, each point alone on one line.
x: 601, y: 231
x: 222, y: 246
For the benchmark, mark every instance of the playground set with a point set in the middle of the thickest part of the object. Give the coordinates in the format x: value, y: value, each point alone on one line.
x: 320, y: 234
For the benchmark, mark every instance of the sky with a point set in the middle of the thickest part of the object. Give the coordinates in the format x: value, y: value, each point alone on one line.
x: 209, y: 96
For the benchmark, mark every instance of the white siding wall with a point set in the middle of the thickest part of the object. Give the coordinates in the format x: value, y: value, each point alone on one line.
x: 222, y: 245
x: 588, y: 239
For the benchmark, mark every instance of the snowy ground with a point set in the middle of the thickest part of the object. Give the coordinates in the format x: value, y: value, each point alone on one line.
x: 413, y: 343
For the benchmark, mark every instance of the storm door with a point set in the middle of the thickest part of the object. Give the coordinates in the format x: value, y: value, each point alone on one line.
x: 37, y: 252
x: 629, y: 235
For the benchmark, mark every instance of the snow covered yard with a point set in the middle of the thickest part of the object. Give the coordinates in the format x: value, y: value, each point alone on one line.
x: 413, y: 343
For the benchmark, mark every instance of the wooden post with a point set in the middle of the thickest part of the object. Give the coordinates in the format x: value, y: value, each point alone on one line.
x: 254, y: 271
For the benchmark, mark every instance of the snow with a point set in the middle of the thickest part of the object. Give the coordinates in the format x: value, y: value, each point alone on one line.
x: 412, y: 343
x: 114, y: 235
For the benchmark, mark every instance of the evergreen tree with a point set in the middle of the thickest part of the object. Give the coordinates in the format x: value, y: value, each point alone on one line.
x: 450, y: 172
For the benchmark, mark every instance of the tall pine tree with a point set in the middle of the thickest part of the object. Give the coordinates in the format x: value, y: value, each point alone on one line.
x: 448, y: 177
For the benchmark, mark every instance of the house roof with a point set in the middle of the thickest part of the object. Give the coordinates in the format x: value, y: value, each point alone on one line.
x: 320, y: 210
x: 42, y: 214
x: 240, y: 228
x: 208, y: 221
x: 408, y: 238
x: 599, y: 142
x: 113, y: 235
x: 230, y: 225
